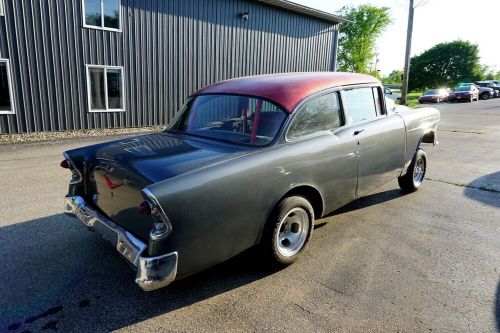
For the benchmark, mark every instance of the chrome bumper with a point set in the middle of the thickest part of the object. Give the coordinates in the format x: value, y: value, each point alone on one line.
x: 152, y: 272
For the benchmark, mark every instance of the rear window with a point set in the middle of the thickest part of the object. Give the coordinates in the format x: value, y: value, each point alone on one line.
x: 236, y: 119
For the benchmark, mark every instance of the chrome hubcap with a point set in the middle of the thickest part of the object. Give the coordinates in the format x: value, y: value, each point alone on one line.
x: 293, y: 230
x: 419, y: 171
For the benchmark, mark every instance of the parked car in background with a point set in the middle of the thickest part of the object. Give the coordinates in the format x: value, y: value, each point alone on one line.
x: 247, y: 162
x: 484, y: 92
x: 434, y: 96
x: 489, y: 84
x: 464, y: 93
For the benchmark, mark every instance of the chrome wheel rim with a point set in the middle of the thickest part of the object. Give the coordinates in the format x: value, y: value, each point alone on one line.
x: 293, y: 231
x: 419, y: 171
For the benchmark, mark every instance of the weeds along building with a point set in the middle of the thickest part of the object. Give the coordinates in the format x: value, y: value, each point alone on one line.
x: 85, y: 64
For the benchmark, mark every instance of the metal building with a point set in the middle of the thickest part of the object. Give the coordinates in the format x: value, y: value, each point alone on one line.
x: 83, y: 64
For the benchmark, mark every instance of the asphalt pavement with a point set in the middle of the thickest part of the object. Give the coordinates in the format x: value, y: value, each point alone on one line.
x: 389, y: 262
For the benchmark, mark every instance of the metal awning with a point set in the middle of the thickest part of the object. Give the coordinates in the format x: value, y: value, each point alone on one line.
x: 294, y: 7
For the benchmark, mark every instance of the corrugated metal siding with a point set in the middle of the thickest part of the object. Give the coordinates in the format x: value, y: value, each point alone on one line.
x: 168, y: 49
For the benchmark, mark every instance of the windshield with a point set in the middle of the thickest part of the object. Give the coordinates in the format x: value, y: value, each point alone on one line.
x: 236, y: 119
x: 432, y: 92
x: 463, y: 88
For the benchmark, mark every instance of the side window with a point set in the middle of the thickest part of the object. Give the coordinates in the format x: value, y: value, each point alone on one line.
x: 319, y: 114
x: 359, y: 105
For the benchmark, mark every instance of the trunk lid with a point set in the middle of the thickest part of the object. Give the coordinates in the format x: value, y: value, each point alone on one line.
x: 119, y: 171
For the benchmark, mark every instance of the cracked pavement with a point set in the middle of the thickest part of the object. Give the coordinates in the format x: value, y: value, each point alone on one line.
x: 427, y: 261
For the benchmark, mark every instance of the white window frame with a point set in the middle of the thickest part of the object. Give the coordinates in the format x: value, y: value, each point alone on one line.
x: 102, y: 27
x: 9, y: 82
x: 89, y: 94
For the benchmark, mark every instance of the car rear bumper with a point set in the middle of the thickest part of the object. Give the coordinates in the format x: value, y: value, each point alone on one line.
x: 152, y: 272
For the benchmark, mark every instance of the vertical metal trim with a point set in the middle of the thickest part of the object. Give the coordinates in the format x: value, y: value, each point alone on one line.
x: 335, y: 46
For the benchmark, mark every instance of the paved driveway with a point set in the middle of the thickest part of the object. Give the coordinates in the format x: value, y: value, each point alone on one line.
x: 428, y: 261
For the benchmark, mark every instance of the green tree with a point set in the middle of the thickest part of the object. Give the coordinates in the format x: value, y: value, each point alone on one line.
x: 395, y: 77
x: 357, y: 40
x: 446, y: 64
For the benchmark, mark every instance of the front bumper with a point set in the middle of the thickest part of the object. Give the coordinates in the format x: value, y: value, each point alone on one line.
x: 152, y: 272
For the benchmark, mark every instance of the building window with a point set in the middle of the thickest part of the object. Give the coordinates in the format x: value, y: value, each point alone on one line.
x: 102, y: 14
x: 6, y: 100
x: 105, y: 88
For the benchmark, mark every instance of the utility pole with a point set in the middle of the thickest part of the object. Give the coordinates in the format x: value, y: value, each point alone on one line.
x: 406, y: 75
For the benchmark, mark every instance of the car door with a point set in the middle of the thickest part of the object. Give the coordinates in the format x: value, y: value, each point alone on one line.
x: 318, y: 132
x: 380, y: 138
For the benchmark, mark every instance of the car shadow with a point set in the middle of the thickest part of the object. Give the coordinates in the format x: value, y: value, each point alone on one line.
x: 367, y: 201
x: 482, y: 188
x: 56, y: 275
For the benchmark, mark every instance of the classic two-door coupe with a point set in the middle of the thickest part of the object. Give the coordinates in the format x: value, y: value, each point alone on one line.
x: 246, y: 162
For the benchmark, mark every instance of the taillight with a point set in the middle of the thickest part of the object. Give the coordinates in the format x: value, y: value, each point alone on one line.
x: 144, y: 208
x: 64, y: 164
x: 161, y: 223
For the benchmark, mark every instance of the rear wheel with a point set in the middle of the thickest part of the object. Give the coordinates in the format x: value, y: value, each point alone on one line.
x: 484, y: 96
x: 288, y: 231
x: 414, y: 177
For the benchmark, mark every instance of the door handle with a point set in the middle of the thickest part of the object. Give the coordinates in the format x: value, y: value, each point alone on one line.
x: 358, y: 132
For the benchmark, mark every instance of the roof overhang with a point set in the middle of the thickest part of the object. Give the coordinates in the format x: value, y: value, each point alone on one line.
x: 295, y: 7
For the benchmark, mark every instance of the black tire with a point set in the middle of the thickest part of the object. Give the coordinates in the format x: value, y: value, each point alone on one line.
x: 276, y: 225
x: 410, y: 182
x: 484, y: 96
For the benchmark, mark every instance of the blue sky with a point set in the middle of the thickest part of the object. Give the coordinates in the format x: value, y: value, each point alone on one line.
x: 438, y: 21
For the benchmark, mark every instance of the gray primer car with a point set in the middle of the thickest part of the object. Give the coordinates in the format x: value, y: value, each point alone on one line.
x: 250, y: 161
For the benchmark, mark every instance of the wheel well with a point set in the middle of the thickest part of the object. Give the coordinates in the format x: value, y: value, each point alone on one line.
x: 428, y: 137
x: 311, y: 194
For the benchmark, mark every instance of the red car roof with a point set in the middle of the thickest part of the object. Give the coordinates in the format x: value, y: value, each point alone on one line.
x: 287, y: 90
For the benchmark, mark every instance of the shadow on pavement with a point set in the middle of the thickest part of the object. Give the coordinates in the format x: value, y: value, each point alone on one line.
x: 58, y: 275
x: 497, y: 307
x: 480, y: 189
x: 369, y: 200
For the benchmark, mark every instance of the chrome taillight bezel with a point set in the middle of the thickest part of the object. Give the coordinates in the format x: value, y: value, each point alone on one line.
x: 76, y: 177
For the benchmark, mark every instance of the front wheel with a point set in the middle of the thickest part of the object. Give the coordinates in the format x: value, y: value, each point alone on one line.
x: 485, y: 96
x: 415, y: 174
x: 288, y: 231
